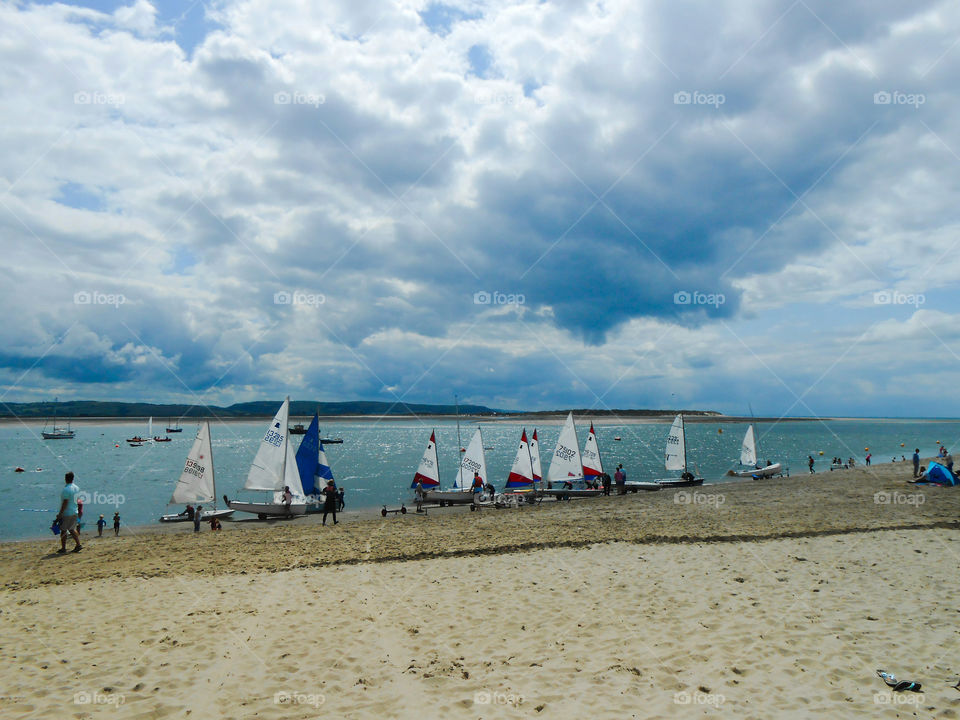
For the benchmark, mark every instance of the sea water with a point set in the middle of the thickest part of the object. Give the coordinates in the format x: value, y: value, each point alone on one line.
x: 377, y: 460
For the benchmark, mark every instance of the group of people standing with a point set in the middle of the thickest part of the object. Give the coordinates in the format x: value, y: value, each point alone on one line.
x: 71, y: 513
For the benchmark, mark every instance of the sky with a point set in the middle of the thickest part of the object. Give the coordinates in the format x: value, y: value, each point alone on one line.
x: 530, y: 205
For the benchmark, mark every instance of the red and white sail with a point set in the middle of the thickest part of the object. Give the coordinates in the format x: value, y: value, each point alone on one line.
x: 592, y: 464
x: 521, y: 474
x: 428, y: 471
x: 535, y: 457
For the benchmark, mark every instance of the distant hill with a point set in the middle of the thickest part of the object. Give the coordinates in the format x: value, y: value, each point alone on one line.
x: 260, y: 408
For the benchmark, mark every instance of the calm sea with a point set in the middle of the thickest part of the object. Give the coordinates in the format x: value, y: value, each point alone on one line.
x: 377, y: 459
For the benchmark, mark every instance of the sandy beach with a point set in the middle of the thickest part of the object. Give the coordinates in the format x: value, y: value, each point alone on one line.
x: 777, y: 598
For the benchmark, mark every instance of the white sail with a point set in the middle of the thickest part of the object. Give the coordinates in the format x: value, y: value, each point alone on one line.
x: 748, y: 451
x: 150, y: 428
x: 521, y: 474
x: 196, y: 483
x: 474, y: 460
x: 291, y: 476
x: 676, y: 455
x: 592, y: 464
x: 267, y: 470
x: 535, y: 457
x: 428, y: 471
x: 566, y: 463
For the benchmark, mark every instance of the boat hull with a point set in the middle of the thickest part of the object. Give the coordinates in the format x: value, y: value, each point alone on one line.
x: 66, y: 435
x: 449, y: 497
x: 559, y: 492
x: 205, y: 516
x: 680, y: 483
x: 269, y: 509
x: 645, y: 486
x: 764, y: 472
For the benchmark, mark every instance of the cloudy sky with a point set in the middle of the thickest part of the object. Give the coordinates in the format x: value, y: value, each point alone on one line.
x: 530, y: 204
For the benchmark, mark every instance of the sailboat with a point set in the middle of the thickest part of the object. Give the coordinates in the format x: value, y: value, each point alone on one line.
x: 274, y: 467
x: 676, y: 457
x: 473, y: 461
x: 521, y: 473
x: 749, y: 452
x: 175, y: 429
x: 566, y: 468
x: 428, y: 471
x: 535, y: 458
x: 313, y: 466
x: 136, y: 440
x: 57, y: 432
x: 592, y: 463
x: 197, y: 483
x: 155, y: 437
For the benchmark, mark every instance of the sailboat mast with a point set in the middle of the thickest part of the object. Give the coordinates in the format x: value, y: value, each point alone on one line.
x: 684, y: 436
x: 213, y: 474
x: 286, y: 441
x: 456, y: 401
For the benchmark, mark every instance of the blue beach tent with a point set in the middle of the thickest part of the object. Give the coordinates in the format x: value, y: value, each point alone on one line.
x: 938, y: 474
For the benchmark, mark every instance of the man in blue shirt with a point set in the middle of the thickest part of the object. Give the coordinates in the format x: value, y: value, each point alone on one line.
x: 68, y: 514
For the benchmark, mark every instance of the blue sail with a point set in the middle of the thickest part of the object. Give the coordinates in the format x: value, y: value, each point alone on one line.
x: 308, y: 457
x: 323, y: 469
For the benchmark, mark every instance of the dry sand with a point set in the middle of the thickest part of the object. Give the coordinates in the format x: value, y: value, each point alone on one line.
x: 758, y: 599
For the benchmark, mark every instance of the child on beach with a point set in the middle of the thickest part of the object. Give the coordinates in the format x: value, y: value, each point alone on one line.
x: 100, y: 524
x: 810, y: 463
x: 116, y: 523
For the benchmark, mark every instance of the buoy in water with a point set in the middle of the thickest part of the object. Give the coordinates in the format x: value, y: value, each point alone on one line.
x: 901, y: 444
x: 117, y: 445
x: 719, y: 431
x: 821, y: 452
x: 866, y: 449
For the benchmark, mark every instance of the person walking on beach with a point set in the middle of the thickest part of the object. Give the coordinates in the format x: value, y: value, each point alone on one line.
x: 810, y: 463
x: 618, y: 479
x: 116, y: 523
x: 418, y: 492
x: 196, y: 518
x: 100, y: 525
x: 287, y: 499
x: 330, y: 502
x: 340, y: 503
x: 68, y: 514
x: 916, y: 462
x: 869, y: 455
x: 79, y: 513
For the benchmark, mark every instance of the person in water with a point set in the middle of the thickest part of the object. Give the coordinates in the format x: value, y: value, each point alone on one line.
x: 330, y: 502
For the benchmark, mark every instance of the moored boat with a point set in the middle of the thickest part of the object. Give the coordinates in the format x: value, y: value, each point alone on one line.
x: 676, y: 458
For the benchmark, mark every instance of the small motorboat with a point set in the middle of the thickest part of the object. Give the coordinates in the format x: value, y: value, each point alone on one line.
x: 136, y: 439
x: 162, y: 439
x: 19, y: 469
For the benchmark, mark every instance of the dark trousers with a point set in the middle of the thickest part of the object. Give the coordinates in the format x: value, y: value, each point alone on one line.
x: 329, y: 510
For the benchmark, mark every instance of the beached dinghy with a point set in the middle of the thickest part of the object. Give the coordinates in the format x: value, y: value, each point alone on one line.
x: 313, y: 466
x: 474, y: 460
x: 520, y: 483
x: 197, y: 483
x: 274, y: 467
x: 566, y: 467
x: 676, y: 457
x: 749, y: 451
